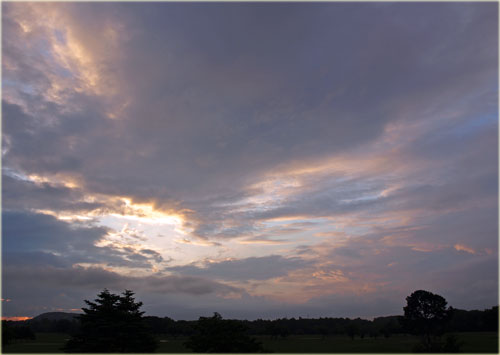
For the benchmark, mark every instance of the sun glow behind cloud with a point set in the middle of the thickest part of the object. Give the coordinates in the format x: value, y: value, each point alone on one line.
x: 145, y: 213
x: 77, y: 61
x: 134, y: 226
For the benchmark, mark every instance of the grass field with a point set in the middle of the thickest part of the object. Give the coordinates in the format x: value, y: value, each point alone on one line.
x: 471, y: 343
x: 47, y: 343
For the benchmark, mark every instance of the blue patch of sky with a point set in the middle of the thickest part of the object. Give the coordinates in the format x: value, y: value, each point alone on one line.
x: 18, y: 85
x: 14, y: 174
x: 360, y: 199
x: 473, y: 125
x: 295, y: 220
x: 46, y: 53
x: 60, y: 36
x: 45, y: 50
x: 63, y: 72
x: 111, y: 222
x: 118, y: 222
x: 358, y: 230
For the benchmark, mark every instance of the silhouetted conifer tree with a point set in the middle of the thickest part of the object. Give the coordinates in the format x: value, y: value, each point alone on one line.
x: 112, y: 324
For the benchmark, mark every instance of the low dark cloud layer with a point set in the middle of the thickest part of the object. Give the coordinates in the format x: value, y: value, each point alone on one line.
x: 244, y: 269
x: 50, y: 281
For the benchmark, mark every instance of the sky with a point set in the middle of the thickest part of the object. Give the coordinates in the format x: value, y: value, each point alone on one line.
x: 259, y: 160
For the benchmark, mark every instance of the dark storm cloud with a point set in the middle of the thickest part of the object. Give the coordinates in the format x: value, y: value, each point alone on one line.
x: 25, y: 232
x: 34, y: 259
x: 22, y: 195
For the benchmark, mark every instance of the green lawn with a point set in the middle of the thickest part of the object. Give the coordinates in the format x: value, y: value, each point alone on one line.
x: 48, y: 343
x: 172, y: 345
x: 472, y: 343
x: 338, y: 344
x: 478, y: 342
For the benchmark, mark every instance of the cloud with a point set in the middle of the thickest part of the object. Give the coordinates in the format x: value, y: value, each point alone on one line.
x: 255, y: 268
x: 52, y: 284
x: 24, y: 231
x: 263, y: 240
x: 44, y: 196
x: 309, y: 127
x: 45, y: 236
x: 461, y: 247
x: 97, y: 278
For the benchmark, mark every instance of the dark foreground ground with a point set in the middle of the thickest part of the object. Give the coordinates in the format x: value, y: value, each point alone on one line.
x: 473, y: 342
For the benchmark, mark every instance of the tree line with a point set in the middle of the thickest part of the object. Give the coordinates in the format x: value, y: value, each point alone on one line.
x: 461, y: 321
x: 114, y: 323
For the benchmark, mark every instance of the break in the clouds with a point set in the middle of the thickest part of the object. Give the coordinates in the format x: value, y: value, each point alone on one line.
x: 256, y: 159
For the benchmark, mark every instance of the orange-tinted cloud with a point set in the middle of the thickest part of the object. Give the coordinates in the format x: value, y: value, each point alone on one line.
x: 16, y: 319
x: 462, y: 247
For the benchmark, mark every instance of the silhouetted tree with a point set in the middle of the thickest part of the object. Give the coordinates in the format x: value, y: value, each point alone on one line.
x: 217, y: 335
x: 11, y: 333
x: 490, y: 319
x: 426, y: 315
x: 352, y: 330
x: 7, y: 333
x: 273, y: 330
x: 373, y: 332
x: 112, y: 323
x: 323, y: 331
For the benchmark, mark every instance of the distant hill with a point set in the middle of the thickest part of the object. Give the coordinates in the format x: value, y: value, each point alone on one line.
x: 52, y: 316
